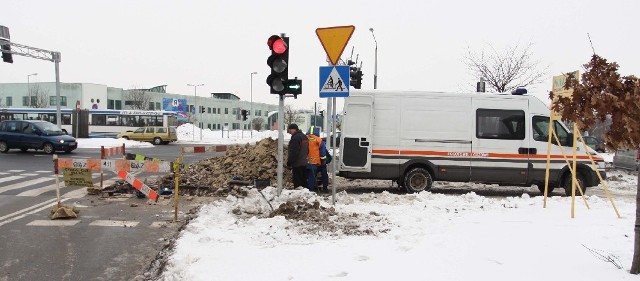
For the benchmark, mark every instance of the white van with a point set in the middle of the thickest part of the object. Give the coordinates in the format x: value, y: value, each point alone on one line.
x: 415, y: 138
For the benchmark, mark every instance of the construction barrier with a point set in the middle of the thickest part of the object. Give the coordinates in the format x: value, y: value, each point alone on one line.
x: 202, y: 149
x: 139, y: 157
x: 108, y: 152
x: 116, y: 165
x: 139, y: 185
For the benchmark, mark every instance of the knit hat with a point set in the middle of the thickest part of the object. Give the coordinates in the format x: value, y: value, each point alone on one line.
x: 292, y: 126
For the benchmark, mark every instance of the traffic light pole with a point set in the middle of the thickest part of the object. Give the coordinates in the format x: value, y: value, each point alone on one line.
x: 41, y: 54
x: 280, y: 142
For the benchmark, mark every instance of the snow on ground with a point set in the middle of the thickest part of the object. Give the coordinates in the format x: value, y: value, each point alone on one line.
x: 186, y: 136
x: 109, y: 142
x: 425, y: 236
x: 385, y: 236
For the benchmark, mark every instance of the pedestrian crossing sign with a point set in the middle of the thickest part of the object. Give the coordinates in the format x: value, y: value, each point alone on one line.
x: 334, y: 81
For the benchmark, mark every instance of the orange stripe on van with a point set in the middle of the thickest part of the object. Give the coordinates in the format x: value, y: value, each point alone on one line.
x: 477, y: 154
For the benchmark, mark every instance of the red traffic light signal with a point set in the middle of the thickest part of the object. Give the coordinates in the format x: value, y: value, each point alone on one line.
x: 277, y: 44
x: 278, y: 62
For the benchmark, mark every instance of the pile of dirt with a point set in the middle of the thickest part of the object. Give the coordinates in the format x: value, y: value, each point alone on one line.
x: 314, y: 219
x: 241, y: 162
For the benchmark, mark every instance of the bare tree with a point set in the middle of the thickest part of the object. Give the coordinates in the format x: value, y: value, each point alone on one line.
x: 507, y: 70
x: 137, y: 99
x: 289, y: 114
x: 601, y: 94
x: 39, y: 96
x: 257, y: 123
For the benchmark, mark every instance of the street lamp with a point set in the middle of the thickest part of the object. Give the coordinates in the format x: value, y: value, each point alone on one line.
x: 29, y: 88
x: 251, y: 105
x: 375, y: 71
x: 195, y: 105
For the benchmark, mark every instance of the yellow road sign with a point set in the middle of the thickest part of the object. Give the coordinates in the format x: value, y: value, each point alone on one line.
x: 334, y: 40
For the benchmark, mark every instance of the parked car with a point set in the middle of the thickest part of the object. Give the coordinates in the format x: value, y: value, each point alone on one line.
x: 595, y: 144
x: 34, y: 134
x: 156, y: 135
x: 626, y: 159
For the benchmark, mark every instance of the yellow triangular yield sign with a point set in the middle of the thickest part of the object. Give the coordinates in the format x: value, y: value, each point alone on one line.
x: 334, y: 40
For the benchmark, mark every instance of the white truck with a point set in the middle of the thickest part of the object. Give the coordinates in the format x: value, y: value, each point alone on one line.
x: 415, y: 138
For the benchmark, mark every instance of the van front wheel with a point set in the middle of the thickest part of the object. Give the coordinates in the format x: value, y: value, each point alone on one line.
x: 567, y: 184
x: 417, y: 180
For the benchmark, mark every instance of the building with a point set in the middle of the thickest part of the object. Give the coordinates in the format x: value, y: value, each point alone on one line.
x: 215, y: 112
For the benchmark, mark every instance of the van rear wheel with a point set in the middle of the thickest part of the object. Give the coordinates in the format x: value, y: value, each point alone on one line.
x: 417, y: 180
x: 4, y: 147
x: 157, y: 141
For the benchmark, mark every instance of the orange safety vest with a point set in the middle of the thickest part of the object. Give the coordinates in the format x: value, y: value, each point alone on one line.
x: 314, y: 149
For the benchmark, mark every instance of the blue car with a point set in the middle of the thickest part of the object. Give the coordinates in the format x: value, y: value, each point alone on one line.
x: 32, y: 134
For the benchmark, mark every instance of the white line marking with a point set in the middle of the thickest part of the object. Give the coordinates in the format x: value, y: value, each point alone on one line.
x: 10, y: 178
x: 28, y: 174
x: 27, y: 209
x: 16, y: 171
x: 22, y: 184
x: 78, y: 193
x: 53, y: 222
x: 114, y: 223
x: 44, y: 189
x: 32, y: 212
x: 44, y: 171
x: 4, y: 173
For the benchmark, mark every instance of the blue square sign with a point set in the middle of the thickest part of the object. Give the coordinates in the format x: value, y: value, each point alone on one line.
x: 334, y: 81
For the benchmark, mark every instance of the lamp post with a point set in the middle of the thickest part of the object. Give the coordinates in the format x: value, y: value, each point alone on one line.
x: 29, y: 89
x: 251, y: 105
x: 195, y: 105
x: 375, y: 71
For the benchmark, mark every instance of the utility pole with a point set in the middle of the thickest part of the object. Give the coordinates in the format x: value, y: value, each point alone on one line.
x: 195, y: 109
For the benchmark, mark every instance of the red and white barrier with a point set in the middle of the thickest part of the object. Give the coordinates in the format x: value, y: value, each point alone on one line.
x: 111, y: 151
x: 139, y: 185
x: 203, y: 149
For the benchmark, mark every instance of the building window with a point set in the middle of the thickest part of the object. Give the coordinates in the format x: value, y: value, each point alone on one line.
x: 9, y: 101
x: 152, y: 106
x: 209, y: 111
x: 25, y: 101
x: 500, y: 124
x: 109, y: 104
x: 226, y: 110
x: 158, y: 106
x: 52, y: 101
x: 118, y: 105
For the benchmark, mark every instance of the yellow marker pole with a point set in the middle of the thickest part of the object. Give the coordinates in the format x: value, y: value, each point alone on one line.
x: 546, y: 175
x: 566, y: 160
x: 176, y: 178
x: 574, y: 173
x: 604, y: 184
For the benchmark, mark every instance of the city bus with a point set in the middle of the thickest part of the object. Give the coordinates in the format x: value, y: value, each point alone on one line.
x: 100, y: 121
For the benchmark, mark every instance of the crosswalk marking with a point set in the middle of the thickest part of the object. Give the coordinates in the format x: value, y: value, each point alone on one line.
x: 22, y: 184
x: 10, y: 178
x: 53, y: 222
x: 15, y: 171
x: 114, y: 223
x: 44, y: 171
x: 28, y: 174
x: 1, y: 173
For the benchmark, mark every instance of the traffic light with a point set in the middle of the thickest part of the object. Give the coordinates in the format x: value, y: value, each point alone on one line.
x: 322, y: 113
x: 294, y: 87
x: 355, y: 77
x: 278, y: 62
x: 6, y: 57
x: 244, y: 114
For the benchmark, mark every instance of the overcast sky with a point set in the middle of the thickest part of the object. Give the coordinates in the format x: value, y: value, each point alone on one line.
x: 219, y: 43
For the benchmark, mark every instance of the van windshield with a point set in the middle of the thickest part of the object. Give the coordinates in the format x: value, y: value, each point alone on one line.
x: 49, y: 129
x: 541, y: 130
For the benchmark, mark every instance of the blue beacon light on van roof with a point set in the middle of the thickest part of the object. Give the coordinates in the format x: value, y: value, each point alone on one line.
x: 519, y: 91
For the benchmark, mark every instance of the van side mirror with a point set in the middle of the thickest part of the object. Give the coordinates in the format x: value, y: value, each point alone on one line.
x: 569, y: 141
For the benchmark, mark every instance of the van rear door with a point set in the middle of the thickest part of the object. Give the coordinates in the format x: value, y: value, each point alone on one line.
x: 500, y: 150
x: 356, y: 143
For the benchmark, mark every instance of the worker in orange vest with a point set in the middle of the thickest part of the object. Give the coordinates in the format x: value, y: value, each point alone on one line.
x: 314, y: 159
